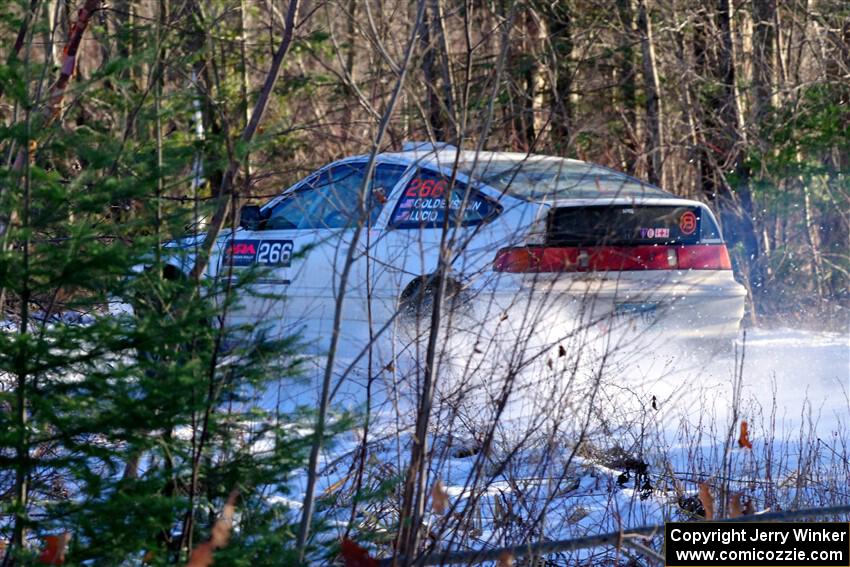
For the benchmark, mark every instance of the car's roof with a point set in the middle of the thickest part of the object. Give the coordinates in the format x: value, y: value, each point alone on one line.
x: 445, y: 156
x: 576, y: 179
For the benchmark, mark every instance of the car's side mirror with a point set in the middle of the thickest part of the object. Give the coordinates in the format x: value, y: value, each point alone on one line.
x: 250, y: 217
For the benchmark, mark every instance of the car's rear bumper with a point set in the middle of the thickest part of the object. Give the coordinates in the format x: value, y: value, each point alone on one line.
x: 701, y: 306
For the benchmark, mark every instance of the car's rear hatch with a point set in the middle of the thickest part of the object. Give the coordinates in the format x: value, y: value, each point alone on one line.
x: 633, y: 261
x: 652, y: 244
x: 621, y: 237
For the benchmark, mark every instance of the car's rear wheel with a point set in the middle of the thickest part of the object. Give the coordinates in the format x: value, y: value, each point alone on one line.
x: 416, y: 302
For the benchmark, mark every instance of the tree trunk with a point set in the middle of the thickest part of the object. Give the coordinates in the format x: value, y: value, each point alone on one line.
x: 213, y: 157
x: 350, y: 56
x: 436, y: 115
x: 49, y: 111
x: 243, y: 83
x: 626, y: 82
x: 559, y: 20
x: 538, y: 33
x: 529, y: 81
x: 834, y: 229
x: 654, y: 117
x: 725, y: 140
x: 693, y: 154
x: 438, y: 33
x: 764, y: 41
x: 225, y: 193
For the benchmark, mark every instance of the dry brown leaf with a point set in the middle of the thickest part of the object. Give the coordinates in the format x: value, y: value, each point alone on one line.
x: 54, y: 549
x: 577, y: 515
x: 221, y: 529
x: 562, y: 352
x: 439, y: 498
x: 744, y: 438
x: 707, y: 500
x: 498, y: 512
x: 355, y: 556
x: 677, y: 486
x: 735, y: 505
x: 506, y: 559
x: 202, y: 555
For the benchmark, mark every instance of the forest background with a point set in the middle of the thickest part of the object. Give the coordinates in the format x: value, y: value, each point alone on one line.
x: 740, y: 104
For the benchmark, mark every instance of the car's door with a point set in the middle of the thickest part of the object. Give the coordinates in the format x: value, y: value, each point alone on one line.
x: 313, y: 226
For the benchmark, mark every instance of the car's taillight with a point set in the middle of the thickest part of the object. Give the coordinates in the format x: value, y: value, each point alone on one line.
x: 704, y: 257
x: 540, y: 259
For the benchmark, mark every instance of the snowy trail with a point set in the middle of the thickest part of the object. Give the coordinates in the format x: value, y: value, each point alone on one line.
x: 798, y: 375
x: 790, y: 375
x: 795, y: 396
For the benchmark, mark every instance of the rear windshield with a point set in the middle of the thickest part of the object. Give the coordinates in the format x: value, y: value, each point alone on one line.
x: 624, y: 224
x: 536, y: 178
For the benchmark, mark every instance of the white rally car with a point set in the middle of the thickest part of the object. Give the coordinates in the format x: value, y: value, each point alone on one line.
x: 519, y: 226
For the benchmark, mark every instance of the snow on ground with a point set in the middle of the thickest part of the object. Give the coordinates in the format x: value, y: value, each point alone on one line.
x: 796, y: 375
x: 655, y: 418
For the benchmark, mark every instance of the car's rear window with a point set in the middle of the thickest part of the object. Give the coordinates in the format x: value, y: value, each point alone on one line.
x: 628, y: 225
x: 537, y: 178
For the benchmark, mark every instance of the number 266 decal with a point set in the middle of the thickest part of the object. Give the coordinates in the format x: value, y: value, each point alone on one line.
x: 264, y: 252
x: 274, y: 252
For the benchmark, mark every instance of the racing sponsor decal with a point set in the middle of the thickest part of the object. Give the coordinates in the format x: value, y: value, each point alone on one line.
x: 240, y: 253
x: 688, y: 222
x: 659, y: 232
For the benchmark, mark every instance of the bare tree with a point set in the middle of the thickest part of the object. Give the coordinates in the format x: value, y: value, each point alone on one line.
x: 654, y: 114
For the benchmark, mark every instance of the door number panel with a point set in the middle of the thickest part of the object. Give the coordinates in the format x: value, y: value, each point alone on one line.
x: 263, y: 252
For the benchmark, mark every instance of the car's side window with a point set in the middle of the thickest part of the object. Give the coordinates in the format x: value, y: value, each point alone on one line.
x: 426, y: 198
x: 329, y: 200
